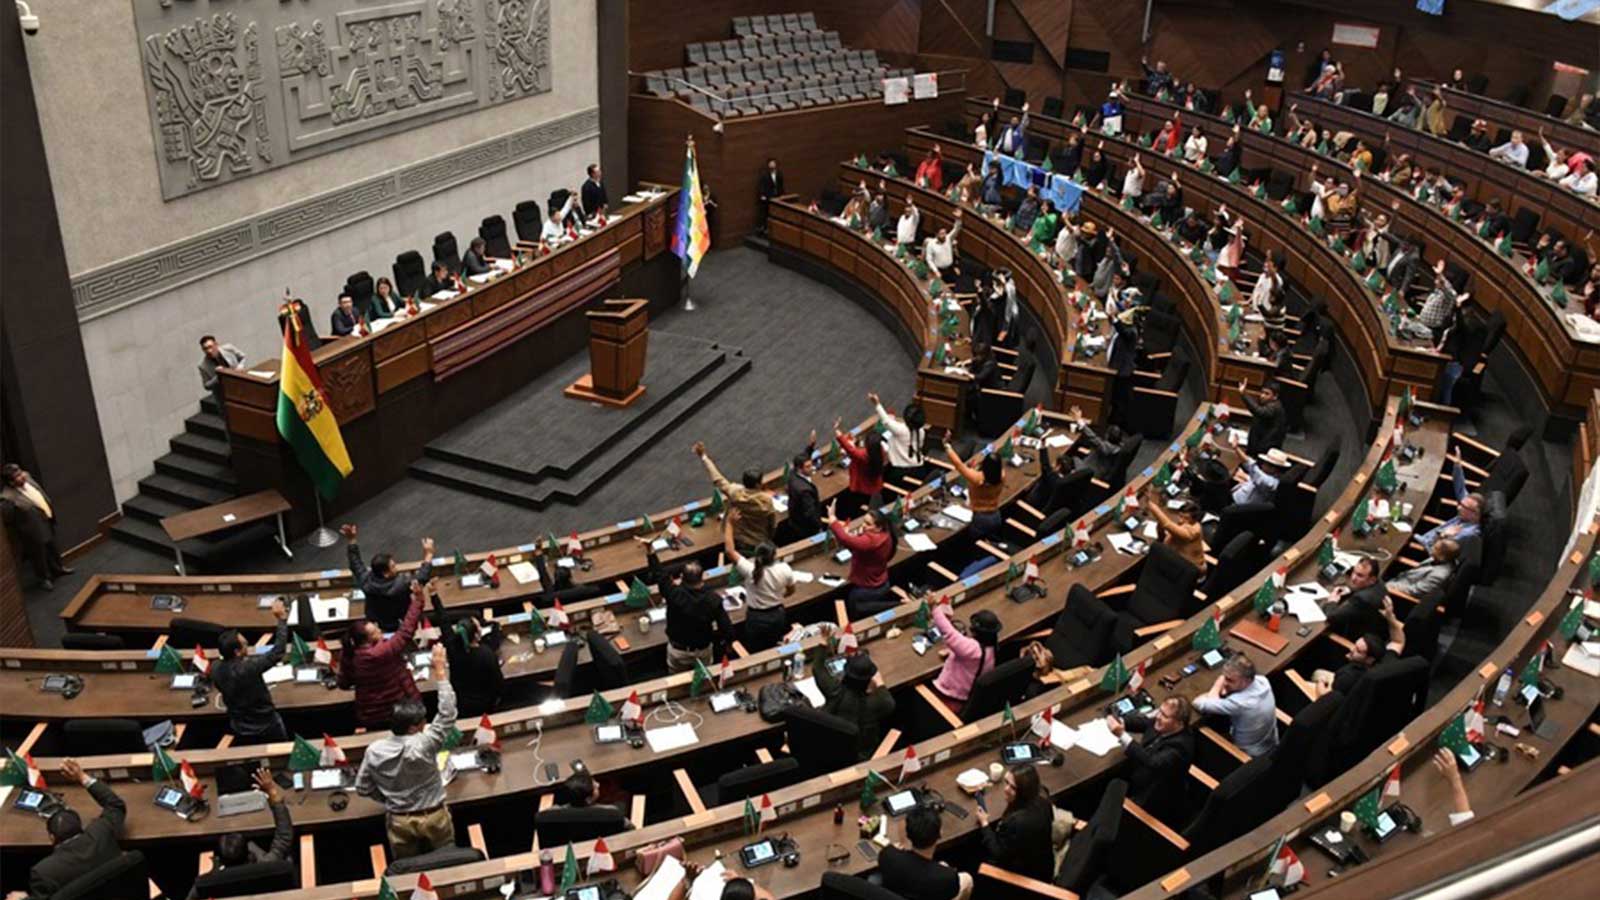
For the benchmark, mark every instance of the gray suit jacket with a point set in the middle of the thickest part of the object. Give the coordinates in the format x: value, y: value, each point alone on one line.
x: 208, y: 366
x: 1425, y: 582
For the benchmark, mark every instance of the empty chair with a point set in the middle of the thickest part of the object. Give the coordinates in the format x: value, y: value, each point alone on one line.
x: 1086, y: 856
x: 713, y: 53
x: 92, y: 737
x: 818, y: 741
x: 186, y: 632
x: 791, y: 22
x: 610, y: 670
x: 1164, y: 592
x: 1015, y: 98
x: 1236, y: 561
x: 558, y: 825
x: 732, y: 50
x: 446, y: 251
x: 657, y: 85
x: 752, y: 781
x: 767, y: 47
x: 758, y: 25
x: 81, y: 640
x: 839, y: 886
x: 1052, y: 107
x: 567, y: 671
x: 808, y: 21
x: 1155, y: 407
x: 1084, y: 631
x: 1002, y: 685
x: 123, y: 878
x: 786, y: 45
x: 1235, y: 518
x: 830, y: 39
x: 807, y: 66
x: 493, y: 231
x: 246, y: 879
x: 528, y: 221
x: 696, y: 54
x: 1387, y: 697
x: 409, y: 273
x: 1523, y: 225
x: 1235, y: 806
x: 1555, y: 105
x: 770, y: 71
x: 713, y: 77
x: 741, y: 25
x: 775, y: 23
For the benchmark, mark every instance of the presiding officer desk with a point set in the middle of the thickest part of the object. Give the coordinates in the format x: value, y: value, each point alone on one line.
x: 1561, y: 360
x: 398, y: 388
x: 804, y: 810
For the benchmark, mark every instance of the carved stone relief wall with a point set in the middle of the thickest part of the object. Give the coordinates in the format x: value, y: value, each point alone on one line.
x: 333, y: 73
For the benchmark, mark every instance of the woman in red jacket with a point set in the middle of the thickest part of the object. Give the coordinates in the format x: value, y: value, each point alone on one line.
x: 871, y: 543
x: 868, y: 463
x: 375, y: 667
x: 930, y: 172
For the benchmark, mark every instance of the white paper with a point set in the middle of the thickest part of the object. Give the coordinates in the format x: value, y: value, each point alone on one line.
x: 801, y: 576
x: 278, y: 674
x: 660, y: 545
x: 1096, y: 738
x: 326, y: 779
x: 444, y: 294
x: 959, y: 513
x: 1579, y: 660
x: 1591, y: 609
x: 657, y: 614
x: 1151, y: 533
x: 1121, y: 541
x: 473, y: 580
x: 309, y: 675
x: 671, y: 737
x: 780, y: 502
x: 808, y: 687
x: 1057, y: 441
x: 1311, y: 589
x: 504, y: 265
x: 1062, y: 735
x: 709, y: 885
x: 920, y: 543
x: 1304, y: 607
x: 663, y: 882
x: 523, y: 572
x: 229, y: 517
x: 322, y: 610
x: 378, y: 325
x: 480, y: 279
x: 464, y: 760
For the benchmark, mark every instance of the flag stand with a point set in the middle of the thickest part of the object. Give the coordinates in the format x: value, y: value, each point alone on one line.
x: 688, y: 301
x: 324, y: 536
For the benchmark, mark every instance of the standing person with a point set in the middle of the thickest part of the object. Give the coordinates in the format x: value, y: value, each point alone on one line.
x: 930, y: 172
x: 871, y: 543
x: 805, y: 503
x: 252, y: 716
x: 402, y: 770
x: 697, y: 625
x: 388, y: 591
x: 858, y: 697
x: 26, y: 508
x: 593, y: 193
x: 473, y: 651
x: 1158, y: 763
x: 868, y: 465
x: 1267, y: 297
x: 757, y: 516
x: 77, y: 848
x: 1014, y: 139
x: 985, y: 485
x: 234, y: 849
x: 939, y: 251
x: 217, y: 356
x: 914, y: 874
x: 966, y: 657
x: 905, y: 228
x: 906, y: 459
x: 770, y: 186
x: 1020, y: 839
x: 1269, y: 424
x: 375, y: 667
x: 1245, y: 699
x: 767, y: 582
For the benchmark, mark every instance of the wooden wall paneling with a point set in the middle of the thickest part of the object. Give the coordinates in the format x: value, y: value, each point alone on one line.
x: 14, y: 631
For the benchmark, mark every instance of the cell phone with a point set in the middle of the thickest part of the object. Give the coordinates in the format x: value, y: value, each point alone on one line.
x: 1080, y: 558
x: 184, y: 682
x: 724, y: 701
x: 1268, y: 894
x: 1303, y: 631
x: 1471, y: 758
x: 607, y: 734
x: 30, y: 800
x: 1190, y: 669
x: 900, y: 803
x: 169, y: 798
x: 552, y: 772
x: 935, y: 635
x: 868, y: 849
x: 1018, y: 753
x: 1213, y: 658
x: 836, y: 665
x: 978, y: 799
x: 758, y: 853
x: 1385, y: 828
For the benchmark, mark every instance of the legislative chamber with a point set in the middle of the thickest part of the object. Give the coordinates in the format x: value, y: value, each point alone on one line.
x: 885, y: 450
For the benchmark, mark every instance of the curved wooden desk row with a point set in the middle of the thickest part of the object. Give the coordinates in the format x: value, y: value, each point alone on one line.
x: 1490, y: 786
x: 804, y: 810
x: 1500, y: 114
x: 123, y: 683
x: 1564, y: 366
x: 565, y: 736
x: 1385, y: 363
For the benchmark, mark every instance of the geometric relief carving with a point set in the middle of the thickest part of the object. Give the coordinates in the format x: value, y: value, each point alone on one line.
x: 336, y: 73
x: 349, y: 386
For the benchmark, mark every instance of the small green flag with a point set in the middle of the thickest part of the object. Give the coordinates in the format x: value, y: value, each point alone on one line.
x: 168, y: 662
x: 1325, y: 551
x: 1008, y: 716
x: 1366, y: 809
x: 1206, y: 166
x: 1387, y: 480
x: 1454, y: 735
x: 1235, y: 332
x: 1164, y: 475
x: 1047, y: 165
x: 638, y: 594
x: 1361, y: 516
x: 702, y: 678
x: 1534, y: 668
x: 1261, y: 190
x: 1374, y: 280
x: 385, y: 890
x: 861, y: 161
x: 299, y: 653
x: 1558, y: 295
x: 453, y: 738
x: 1144, y: 140
x: 834, y: 452
x: 1504, y: 247
x: 1594, y: 569
x: 1316, y: 227
x: 1194, y: 438
x: 1013, y: 572
x: 1115, y: 676
x: 925, y: 617
x: 649, y: 525
x: 1573, y: 620
x: 569, y: 871
x: 164, y: 768
x: 868, y: 796
x: 1291, y: 205
x: 1225, y: 291
x: 1127, y: 202
x: 735, y: 577
x: 1337, y: 244
x: 1156, y: 220
x: 1265, y: 597
x: 1030, y: 425
x: 1406, y: 399
x: 552, y: 549
x: 716, y: 502
x: 600, y: 710
x: 536, y: 624
x: 752, y: 819
x: 1541, y: 272
x: 303, y: 757
x: 1359, y: 261
x: 460, y: 564
x: 1208, y: 636
x: 1236, y: 176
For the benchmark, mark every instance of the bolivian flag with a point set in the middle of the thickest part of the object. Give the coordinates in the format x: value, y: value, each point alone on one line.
x: 691, y: 233
x: 305, y: 421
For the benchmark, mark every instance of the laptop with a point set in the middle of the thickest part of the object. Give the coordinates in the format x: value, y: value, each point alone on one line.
x: 236, y: 792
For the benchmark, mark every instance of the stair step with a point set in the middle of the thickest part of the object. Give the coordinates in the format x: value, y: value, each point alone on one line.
x: 201, y: 447
x: 208, y: 404
x: 197, y: 554
x: 200, y: 471
x: 152, y: 508
x: 599, y: 467
x: 142, y: 534
x: 206, y: 425
x: 181, y: 491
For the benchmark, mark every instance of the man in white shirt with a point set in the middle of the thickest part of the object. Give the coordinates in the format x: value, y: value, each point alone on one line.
x: 1246, y: 699
x: 939, y: 251
x: 555, y: 227
x: 1514, y: 151
x: 401, y: 771
x: 1259, y: 485
x: 905, y: 230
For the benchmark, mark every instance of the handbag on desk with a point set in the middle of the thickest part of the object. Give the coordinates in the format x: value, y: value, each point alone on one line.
x: 649, y: 858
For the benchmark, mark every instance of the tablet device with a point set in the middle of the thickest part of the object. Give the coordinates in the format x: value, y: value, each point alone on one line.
x: 836, y: 666
x: 30, y: 800
x: 54, y: 684
x: 1213, y: 658
x: 724, y: 701
x: 900, y: 803
x: 759, y: 853
x: 1470, y: 758
x: 586, y: 892
x: 934, y: 635
x: 1018, y: 753
x: 168, y: 601
x: 1385, y: 828
x: 184, y: 682
x: 169, y: 798
x: 607, y: 734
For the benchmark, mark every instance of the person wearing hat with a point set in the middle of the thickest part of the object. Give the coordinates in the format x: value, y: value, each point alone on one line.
x: 966, y: 656
x: 1258, y: 484
x: 858, y: 697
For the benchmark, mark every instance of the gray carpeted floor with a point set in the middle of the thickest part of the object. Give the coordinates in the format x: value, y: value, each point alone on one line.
x: 815, y: 355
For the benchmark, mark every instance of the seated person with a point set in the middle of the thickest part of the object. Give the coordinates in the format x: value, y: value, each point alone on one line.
x: 859, y: 698
x: 1180, y: 528
x: 1353, y: 608
x: 441, y: 281
x: 1245, y: 698
x: 234, y: 849
x: 1020, y: 841
x: 965, y: 656
x: 477, y: 260
x: 345, y: 320
x: 1426, y: 581
x: 1027, y: 211
x: 77, y: 847
x: 1257, y: 483
x: 1368, y: 651
x: 582, y: 791
x: 913, y: 873
x: 1157, y: 764
x: 1468, y: 520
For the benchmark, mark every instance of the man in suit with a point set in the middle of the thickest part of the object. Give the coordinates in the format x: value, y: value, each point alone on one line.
x: 1403, y: 267
x: 476, y: 262
x: 771, y: 185
x: 234, y: 849
x: 1269, y: 424
x: 294, y: 306
x: 345, y: 319
x: 1122, y: 356
x: 1158, y: 762
x: 1368, y: 651
x: 77, y: 847
x: 1355, y: 608
x: 26, y: 508
x: 1426, y: 581
x: 388, y: 592
x: 593, y: 193
x: 217, y: 356
x: 805, y: 505
x: 1014, y: 139
x: 440, y: 280
x: 913, y: 873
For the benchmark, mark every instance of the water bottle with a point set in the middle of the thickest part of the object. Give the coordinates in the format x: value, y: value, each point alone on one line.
x: 1503, y: 687
x: 547, y: 872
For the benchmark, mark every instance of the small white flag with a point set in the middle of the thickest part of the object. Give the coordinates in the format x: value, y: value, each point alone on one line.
x: 911, y: 763
x: 332, y: 753
x: 1288, y: 865
x: 600, y: 859
x: 202, y: 664
x: 484, y: 735
x: 631, y: 710
x: 424, y: 889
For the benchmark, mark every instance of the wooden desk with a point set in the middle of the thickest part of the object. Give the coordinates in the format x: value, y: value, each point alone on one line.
x: 1500, y: 114
x: 222, y: 516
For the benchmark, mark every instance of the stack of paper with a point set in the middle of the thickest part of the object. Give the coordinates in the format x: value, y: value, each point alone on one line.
x: 664, y: 881
x: 959, y: 513
x: 1062, y: 735
x: 1304, y: 607
x: 445, y: 294
x: 1584, y: 658
x: 1096, y: 738
x: 808, y: 687
x: 480, y: 279
x: 524, y: 572
x: 278, y: 674
x: 505, y: 265
x: 671, y: 737
x: 919, y: 543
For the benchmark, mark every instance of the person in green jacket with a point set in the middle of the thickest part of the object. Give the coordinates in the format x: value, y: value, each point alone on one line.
x: 859, y: 698
x: 1044, y: 227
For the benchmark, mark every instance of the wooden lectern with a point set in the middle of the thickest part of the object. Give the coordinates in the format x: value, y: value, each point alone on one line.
x: 618, y: 334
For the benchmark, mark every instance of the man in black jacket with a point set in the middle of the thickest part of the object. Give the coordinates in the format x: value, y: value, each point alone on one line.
x: 252, y: 717
x: 1356, y: 608
x: 805, y: 504
x: 696, y: 622
x: 592, y: 196
x: 78, y: 847
x: 234, y: 849
x: 771, y: 185
x: 1157, y: 763
x: 1269, y: 424
x: 858, y: 697
x: 440, y: 281
x: 914, y: 874
x: 388, y: 592
x: 345, y: 320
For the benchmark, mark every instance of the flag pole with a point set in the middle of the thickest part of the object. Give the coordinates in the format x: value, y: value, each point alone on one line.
x: 324, y: 536
x: 683, y: 270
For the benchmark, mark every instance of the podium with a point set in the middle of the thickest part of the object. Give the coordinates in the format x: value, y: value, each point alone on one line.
x: 618, y: 334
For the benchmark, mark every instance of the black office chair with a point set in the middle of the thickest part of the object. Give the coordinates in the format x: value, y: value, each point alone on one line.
x: 185, y: 632
x: 1235, y: 806
x: 567, y: 671
x: 998, y: 409
x: 610, y: 670
x: 1052, y: 107
x: 410, y: 272
x: 1086, y: 856
x: 1489, y: 552
x: 495, y: 241
x: 1015, y: 98
x: 992, y: 691
x: 1236, y: 561
x: 249, y: 878
x: 1259, y: 518
x: 1073, y: 492
x: 123, y: 878
x: 446, y: 251
x: 1422, y: 627
x: 1387, y: 697
x: 1165, y: 589
x: 839, y: 886
x: 528, y: 220
x: 1508, y: 474
x: 435, y: 859
x: 82, y: 640
x: 1298, y: 745
x: 360, y: 288
x: 1155, y: 406
x: 1084, y: 630
x: 1319, y: 472
x: 93, y: 737
x: 558, y: 825
x: 1555, y: 105
x: 752, y: 781
x: 818, y: 741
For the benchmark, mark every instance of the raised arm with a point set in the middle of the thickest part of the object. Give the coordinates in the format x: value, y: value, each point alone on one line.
x: 717, y: 479
x: 973, y: 476
x: 401, y: 639
x: 1458, y: 478
x: 438, y: 731
x: 734, y: 557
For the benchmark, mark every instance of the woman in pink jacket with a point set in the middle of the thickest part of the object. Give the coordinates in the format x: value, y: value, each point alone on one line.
x: 965, y: 657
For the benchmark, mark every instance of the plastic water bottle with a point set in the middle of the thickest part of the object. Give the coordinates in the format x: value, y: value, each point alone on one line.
x: 1503, y: 687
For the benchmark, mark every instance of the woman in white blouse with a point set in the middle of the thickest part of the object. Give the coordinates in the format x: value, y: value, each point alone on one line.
x: 1133, y: 181
x: 1194, y: 147
x: 904, y: 437
x: 766, y: 583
